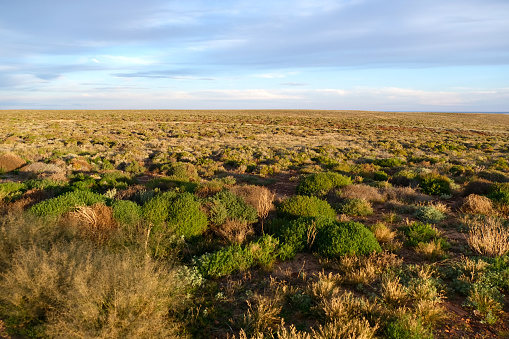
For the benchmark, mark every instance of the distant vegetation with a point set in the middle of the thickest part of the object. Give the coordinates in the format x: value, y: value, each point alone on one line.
x: 253, y: 224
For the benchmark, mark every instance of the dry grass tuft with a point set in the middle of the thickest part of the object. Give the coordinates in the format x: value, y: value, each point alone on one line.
x: 234, y: 231
x: 406, y: 194
x: 263, y: 312
x: 259, y: 197
x: 95, y: 222
x: 365, y: 192
x: 325, y: 286
x: 477, y: 204
x: 393, y: 292
x: 480, y: 187
x: 10, y: 162
x: 488, y: 236
x: 365, y: 270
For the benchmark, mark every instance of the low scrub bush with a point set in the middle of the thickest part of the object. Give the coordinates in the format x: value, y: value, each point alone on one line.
x: 238, y: 258
x: 176, y: 212
x: 477, y: 204
x: 365, y: 192
x: 226, y: 205
x: 356, y: 207
x: 499, y: 192
x: 435, y: 184
x: 345, y: 238
x: 487, y: 300
x: 429, y: 214
x: 305, y: 206
x: 321, y: 183
x: 11, y: 190
x: 488, y: 236
x: 180, y: 171
x: 127, y: 212
x: 66, y: 202
x: 389, y: 162
x: 421, y: 233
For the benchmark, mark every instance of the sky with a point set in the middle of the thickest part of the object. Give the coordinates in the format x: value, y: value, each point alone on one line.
x: 398, y: 55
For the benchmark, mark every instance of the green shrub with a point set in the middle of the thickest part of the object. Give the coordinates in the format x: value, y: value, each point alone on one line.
x: 407, y: 327
x: 345, y: 238
x: 115, y: 179
x: 180, y: 171
x: 66, y: 202
x: 171, y: 183
x: 435, y: 184
x: 305, y: 206
x: 299, y: 235
x: 419, y: 232
x: 238, y: 258
x: 380, y: 176
x: 180, y: 212
x: 127, y: 212
x: 429, y: 214
x: 389, y: 162
x: 45, y: 184
x: 499, y: 192
x: 487, y: 300
x: 321, y: 183
x: 356, y: 207
x: 11, y: 190
x: 226, y: 205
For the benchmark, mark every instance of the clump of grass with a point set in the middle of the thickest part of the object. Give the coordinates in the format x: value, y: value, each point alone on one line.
x: 79, y: 289
x: 488, y: 236
x: 477, y: 204
x: 360, y: 191
x: 261, y: 198
x: 234, y: 231
x: 95, y: 221
x: 487, y: 301
x: 429, y: 214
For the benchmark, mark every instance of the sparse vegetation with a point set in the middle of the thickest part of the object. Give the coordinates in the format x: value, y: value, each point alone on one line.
x: 253, y: 224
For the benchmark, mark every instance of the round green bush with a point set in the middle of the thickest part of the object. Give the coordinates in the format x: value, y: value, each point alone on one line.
x: 305, y: 206
x: 226, y: 205
x: 345, y: 238
x: 435, y: 184
x: 357, y: 207
x: 322, y: 183
x: 180, y: 213
x: 429, y: 214
x: 66, y: 202
x: 126, y: 212
x: 389, y: 162
x: 499, y: 192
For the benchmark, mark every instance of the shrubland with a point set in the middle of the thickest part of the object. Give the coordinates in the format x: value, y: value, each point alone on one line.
x: 253, y: 224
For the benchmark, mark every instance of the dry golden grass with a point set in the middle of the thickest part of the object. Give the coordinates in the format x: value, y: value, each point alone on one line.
x: 477, y: 204
x: 393, y: 293
x: 234, y: 231
x: 95, y: 221
x: 263, y: 312
x: 261, y: 198
x: 383, y: 233
x: 10, y: 162
x: 361, y: 191
x: 488, y: 236
x: 325, y: 287
x: 430, y: 250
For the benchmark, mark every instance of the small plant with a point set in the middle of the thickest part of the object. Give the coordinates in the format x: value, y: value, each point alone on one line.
x: 487, y: 301
x: 419, y: 232
x: 321, y: 183
x: 305, y: 206
x: 66, y: 202
x: 429, y: 214
x: 338, y: 239
x: 435, y: 184
x: 356, y: 207
x: 488, y: 236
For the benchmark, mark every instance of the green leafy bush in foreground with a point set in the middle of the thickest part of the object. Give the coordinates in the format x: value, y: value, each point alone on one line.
x: 226, y: 205
x: 66, y: 202
x: 127, y: 212
x: 345, y: 238
x: 179, y: 213
x: 435, y: 184
x: 238, y: 258
x: 321, y: 183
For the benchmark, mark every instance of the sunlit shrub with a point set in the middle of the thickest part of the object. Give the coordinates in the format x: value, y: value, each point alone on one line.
x: 66, y: 202
x: 127, y: 212
x: 304, y: 206
x: 356, y: 207
x: 435, y: 184
x: 322, y: 183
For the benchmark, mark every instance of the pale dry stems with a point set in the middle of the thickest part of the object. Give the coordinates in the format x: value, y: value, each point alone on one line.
x: 488, y: 236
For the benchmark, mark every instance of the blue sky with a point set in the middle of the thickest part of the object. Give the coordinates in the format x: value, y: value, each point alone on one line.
x: 399, y: 55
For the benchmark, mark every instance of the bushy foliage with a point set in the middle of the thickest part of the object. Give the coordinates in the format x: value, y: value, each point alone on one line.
x: 238, y: 258
x: 11, y: 190
x: 499, y: 192
x: 226, y: 205
x: 345, y: 238
x: 419, y: 232
x: 180, y: 171
x: 299, y: 235
x: 66, y: 202
x: 321, y: 183
x: 305, y: 206
x: 389, y: 162
x: 179, y: 213
x: 429, y: 214
x: 127, y: 212
x: 356, y: 207
x: 435, y: 184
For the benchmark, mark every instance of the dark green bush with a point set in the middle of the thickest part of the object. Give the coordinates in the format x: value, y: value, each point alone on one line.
x: 305, y: 206
x: 11, y: 190
x: 226, y: 205
x: 380, y: 176
x: 389, y: 162
x: 66, y: 202
x: 345, y: 238
x: 420, y: 232
x: 298, y: 235
x: 435, y: 184
x: 180, y: 171
x: 126, y: 212
x: 321, y: 183
x: 499, y: 192
x: 156, y: 209
x: 356, y: 207
x: 238, y: 258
